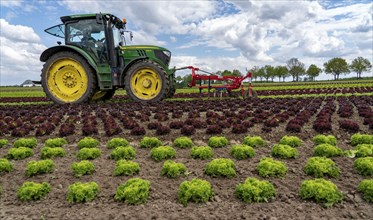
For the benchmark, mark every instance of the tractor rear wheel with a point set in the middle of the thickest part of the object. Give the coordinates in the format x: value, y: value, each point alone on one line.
x: 146, y: 81
x: 67, y: 78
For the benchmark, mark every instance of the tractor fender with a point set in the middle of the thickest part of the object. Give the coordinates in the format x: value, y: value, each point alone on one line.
x: 123, y: 74
x: 53, y: 50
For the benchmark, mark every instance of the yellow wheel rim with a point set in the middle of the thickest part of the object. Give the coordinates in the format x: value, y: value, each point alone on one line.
x: 146, y: 84
x: 67, y: 80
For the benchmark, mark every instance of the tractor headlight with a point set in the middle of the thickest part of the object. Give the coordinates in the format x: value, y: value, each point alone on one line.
x: 167, y: 53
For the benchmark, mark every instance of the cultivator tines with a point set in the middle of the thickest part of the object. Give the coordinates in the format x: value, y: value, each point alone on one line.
x: 231, y: 82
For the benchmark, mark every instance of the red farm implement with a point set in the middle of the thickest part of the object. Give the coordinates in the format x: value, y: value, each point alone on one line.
x: 230, y: 82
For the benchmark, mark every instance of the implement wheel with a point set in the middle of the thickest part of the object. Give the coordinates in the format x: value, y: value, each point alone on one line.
x: 254, y: 94
x: 146, y: 81
x: 67, y: 78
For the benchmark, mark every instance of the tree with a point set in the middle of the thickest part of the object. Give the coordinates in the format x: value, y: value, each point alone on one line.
x: 296, y: 68
x: 360, y: 65
x: 268, y: 72
x: 336, y: 67
x: 261, y: 73
x: 281, y: 72
x: 254, y: 71
x: 226, y: 73
x: 236, y: 73
x: 313, y: 71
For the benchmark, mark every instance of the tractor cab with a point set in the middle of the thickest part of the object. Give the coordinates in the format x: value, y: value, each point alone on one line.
x: 91, y: 33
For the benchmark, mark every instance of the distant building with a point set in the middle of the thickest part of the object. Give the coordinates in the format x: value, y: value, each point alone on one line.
x: 29, y: 83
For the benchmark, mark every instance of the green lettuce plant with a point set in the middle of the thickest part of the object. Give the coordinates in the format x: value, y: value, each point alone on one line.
x: 162, y: 152
x: 88, y: 142
x: 89, y: 153
x: 217, y: 141
x: 150, y: 142
x: 322, y: 191
x: 320, y: 167
x: 127, y: 153
x: 324, y: 139
x: 221, y: 167
x: 366, y: 187
x: 135, y: 191
x: 268, y: 167
x: 172, y: 169
x: 254, y: 190
x: 117, y: 142
x: 183, y: 142
x: 327, y: 150
x: 364, y: 166
x: 39, y: 167
x: 254, y: 141
x: 33, y: 191
x: 55, y: 142
x: 25, y: 142
x: 195, y: 190
x: 5, y: 165
x: 82, y: 192
x: 292, y: 141
x: 19, y: 153
x: 82, y: 168
x: 358, y: 138
x: 202, y: 152
x: 3, y: 142
x: 241, y: 152
x: 126, y: 168
x: 52, y: 152
x: 284, y: 151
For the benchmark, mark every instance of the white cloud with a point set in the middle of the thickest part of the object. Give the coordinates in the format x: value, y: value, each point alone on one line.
x: 20, y: 52
x: 11, y: 3
x: 154, y: 17
x: 18, y: 32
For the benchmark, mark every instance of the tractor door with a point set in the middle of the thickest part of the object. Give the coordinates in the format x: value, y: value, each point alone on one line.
x: 90, y: 36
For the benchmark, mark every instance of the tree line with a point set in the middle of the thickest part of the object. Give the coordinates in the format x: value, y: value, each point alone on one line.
x: 296, y: 69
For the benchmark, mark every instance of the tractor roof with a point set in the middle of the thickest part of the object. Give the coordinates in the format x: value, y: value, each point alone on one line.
x: 64, y: 19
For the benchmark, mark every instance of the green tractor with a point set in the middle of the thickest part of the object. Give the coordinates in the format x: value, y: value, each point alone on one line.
x: 95, y: 61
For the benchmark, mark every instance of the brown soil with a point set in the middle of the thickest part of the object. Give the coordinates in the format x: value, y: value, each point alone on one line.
x: 163, y: 204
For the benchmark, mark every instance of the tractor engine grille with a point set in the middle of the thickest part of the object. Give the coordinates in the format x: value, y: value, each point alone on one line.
x: 163, y: 57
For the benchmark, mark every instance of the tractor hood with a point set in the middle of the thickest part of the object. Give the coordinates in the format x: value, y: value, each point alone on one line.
x: 149, y: 51
x: 143, y: 47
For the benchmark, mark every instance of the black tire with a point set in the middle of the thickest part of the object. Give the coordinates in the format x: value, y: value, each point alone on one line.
x: 172, y: 91
x: 63, y: 61
x: 147, y: 66
x: 246, y: 93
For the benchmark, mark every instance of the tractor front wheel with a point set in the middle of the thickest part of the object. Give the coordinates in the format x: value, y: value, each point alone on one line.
x: 146, y: 81
x: 67, y: 78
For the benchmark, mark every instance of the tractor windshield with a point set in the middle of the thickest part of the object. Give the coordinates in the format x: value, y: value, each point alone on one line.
x: 57, y: 31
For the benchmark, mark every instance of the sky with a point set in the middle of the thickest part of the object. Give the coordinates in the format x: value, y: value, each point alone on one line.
x: 212, y: 35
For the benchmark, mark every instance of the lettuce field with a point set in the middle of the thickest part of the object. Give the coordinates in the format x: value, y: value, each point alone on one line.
x: 297, y: 151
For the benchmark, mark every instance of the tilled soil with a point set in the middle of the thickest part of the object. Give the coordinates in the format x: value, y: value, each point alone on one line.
x: 163, y: 204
